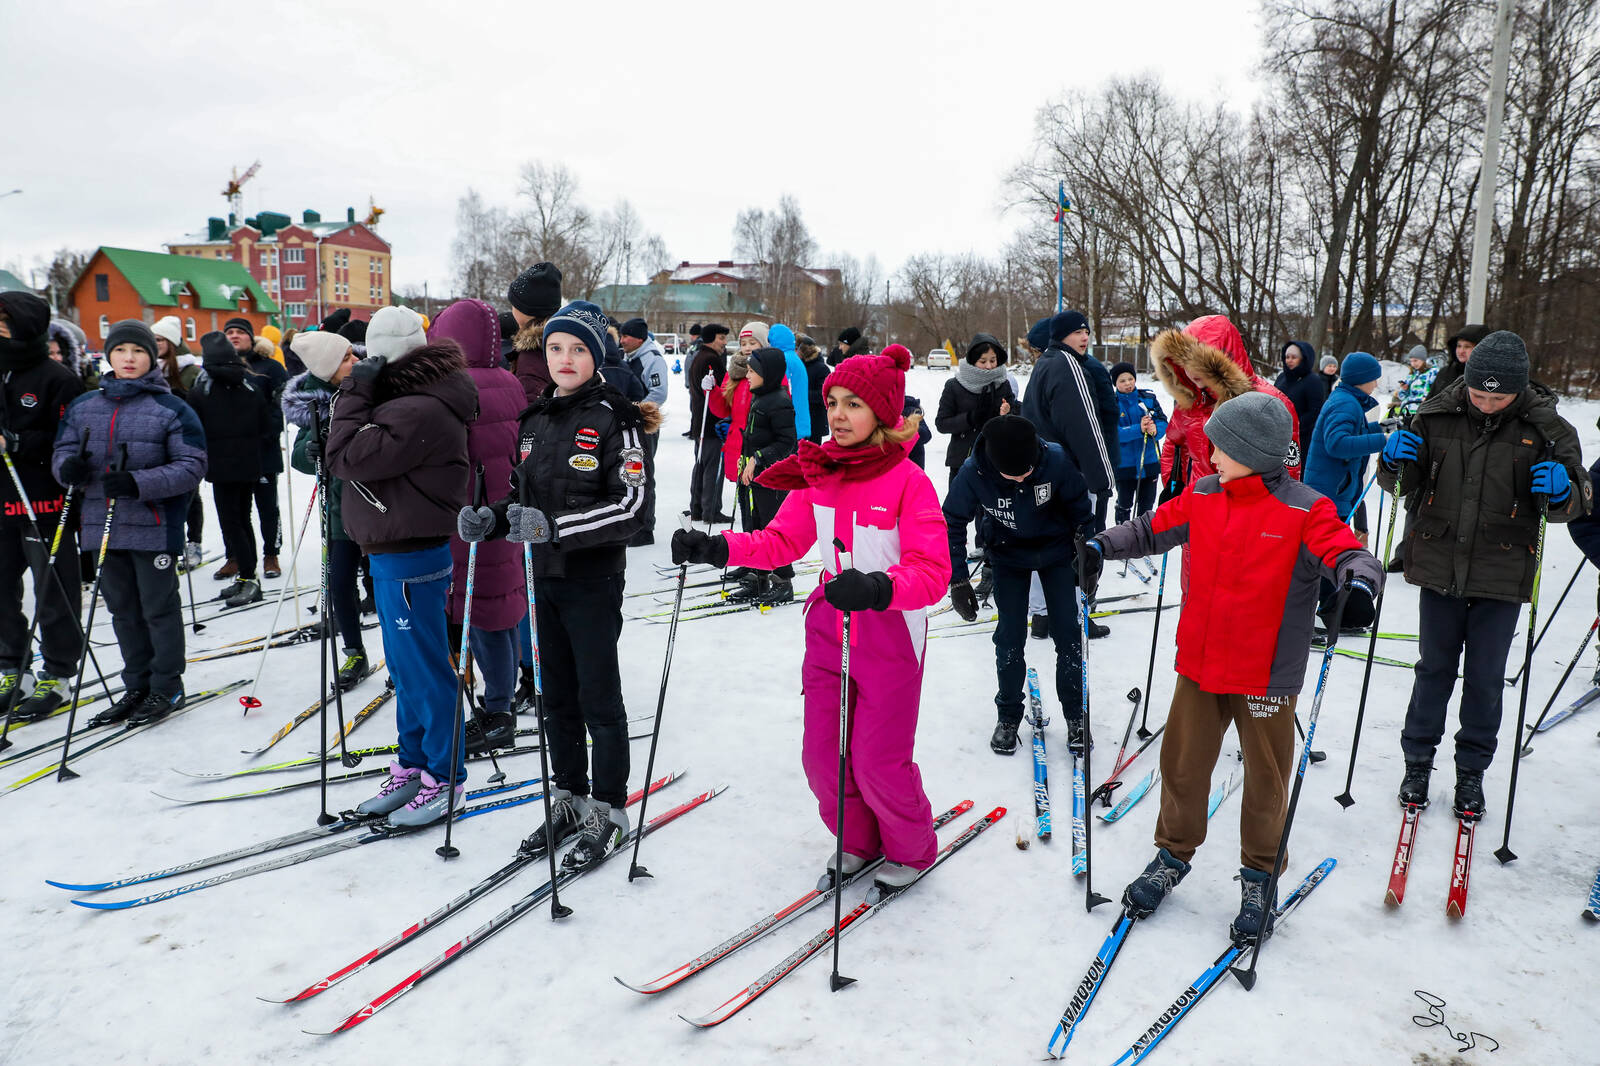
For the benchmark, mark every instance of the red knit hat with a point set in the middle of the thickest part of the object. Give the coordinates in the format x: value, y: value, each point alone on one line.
x: 880, y: 380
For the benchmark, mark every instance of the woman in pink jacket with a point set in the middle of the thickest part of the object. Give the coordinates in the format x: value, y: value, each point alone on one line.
x: 859, y: 489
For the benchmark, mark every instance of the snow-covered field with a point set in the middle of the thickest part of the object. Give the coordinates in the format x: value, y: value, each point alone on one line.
x: 973, y: 966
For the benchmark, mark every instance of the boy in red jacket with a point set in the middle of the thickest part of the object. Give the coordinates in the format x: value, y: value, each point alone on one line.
x: 1262, y: 542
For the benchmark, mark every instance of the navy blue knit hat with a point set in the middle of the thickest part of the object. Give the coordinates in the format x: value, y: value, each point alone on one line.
x: 583, y: 320
x: 1039, y: 335
x: 1359, y: 368
x: 1067, y: 323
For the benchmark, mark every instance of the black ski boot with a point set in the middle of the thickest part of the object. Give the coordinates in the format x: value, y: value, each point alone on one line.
x: 1414, y: 788
x: 1255, y: 910
x: 522, y: 699
x: 1096, y: 630
x: 1470, y: 804
x: 244, y: 590
x: 119, y: 711
x: 490, y: 731
x: 356, y: 669
x: 1077, y: 736
x: 1145, y: 892
x: 566, y: 811
x: 49, y: 695
x: 750, y: 589
x: 740, y: 574
x: 153, y: 708
x: 778, y: 591
x: 602, y: 830
x: 985, y: 584
x: 1004, y: 739
x: 1039, y: 628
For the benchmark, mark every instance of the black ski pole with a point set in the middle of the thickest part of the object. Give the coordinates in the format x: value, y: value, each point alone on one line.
x: 66, y: 773
x: 1316, y: 756
x: 1504, y: 852
x: 835, y: 981
x: 1150, y: 670
x: 329, y: 620
x: 1514, y: 678
x: 1091, y: 898
x: 194, y: 617
x: 447, y: 850
x: 634, y: 869
x: 1247, y: 977
x: 1344, y: 798
x: 324, y: 818
x: 1527, y: 741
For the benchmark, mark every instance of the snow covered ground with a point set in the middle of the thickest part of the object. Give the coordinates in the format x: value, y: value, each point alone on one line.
x: 973, y: 967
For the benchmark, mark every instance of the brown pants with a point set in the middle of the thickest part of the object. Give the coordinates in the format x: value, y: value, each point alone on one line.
x: 1195, y: 728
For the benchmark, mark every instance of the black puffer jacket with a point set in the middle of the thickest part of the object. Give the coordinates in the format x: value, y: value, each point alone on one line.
x: 267, y: 369
x: 769, y: 429
x: 1304, y: 389
x: 581, y: 461
x: 236, y: 412
x: 1474, y: 523
x: 963, y: 413
x: 36, y: 397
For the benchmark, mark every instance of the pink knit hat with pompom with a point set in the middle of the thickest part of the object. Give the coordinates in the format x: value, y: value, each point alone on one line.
x: 880, y: 380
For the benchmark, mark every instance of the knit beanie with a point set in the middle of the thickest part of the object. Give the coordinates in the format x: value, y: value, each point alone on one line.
x: 880, y: 380
x: 1499, y: 363
x: 1253, y: 429
x: 1039, y: 335
x: 1067, y: 323
x: 169, y: 329
x: 216, y: 349
x: 1359, y: 368
x: 582, y: 320
x: 240, y: 323
x: 711, y: 331
x: 1119, y: 369
x: 635, y: 327
x: 321, y: 352
x: 758, y: 330
x: 537, y: 291
x: 354, y: 331
x: 132, y: 331
x: 849, y: 335
x: 394, y: 333
x: 738, y: 366
x: 336, y: 320
x: 1329, y: 360
x: 1011, y: 443
x: 1420, y: 351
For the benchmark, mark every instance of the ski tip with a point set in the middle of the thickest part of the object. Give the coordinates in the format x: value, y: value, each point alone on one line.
x: 171, y: 799
x: 631, y: 988
x: 70, y: 887
x: 96, y: 906
x: 1591, y: 916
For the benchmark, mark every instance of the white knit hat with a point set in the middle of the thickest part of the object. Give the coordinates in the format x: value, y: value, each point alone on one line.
x: 394, y: 333
x: 321, y: 352
x: 169, y: 329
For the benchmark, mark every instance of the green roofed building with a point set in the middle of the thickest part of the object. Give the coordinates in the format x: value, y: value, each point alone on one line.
x: 202, y: 294
x: 674, y: 308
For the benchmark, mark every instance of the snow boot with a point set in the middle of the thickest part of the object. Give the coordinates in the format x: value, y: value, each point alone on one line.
x: 1145, y: 892
x: 984, y: 588
x: 1077, y: 736
x: 602, y: 830
x: 154, y: 707
x: 778, y: 591
x: 270, y: 567
x: 1004, y: 739
x: 566, y: 811
x: 1039, y: 628
x: 49, y: 693
x: 852, y: 864
x: 1414, y: 787
x: 243, y: 591
x: 356, y: 669
x: 1470, y: 804
x: 490, y: 731
x: 228, y: 569
x: 891, y: 879
x: 429, y: 805
x: 192, y: 557
x: 398, y: 789
x: 750, y: 588
x: 522, y: 699
x: 119, y: 711
x: 1255, y: 910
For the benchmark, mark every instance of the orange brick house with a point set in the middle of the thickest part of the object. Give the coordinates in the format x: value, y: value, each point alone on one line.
x: 122, y: 283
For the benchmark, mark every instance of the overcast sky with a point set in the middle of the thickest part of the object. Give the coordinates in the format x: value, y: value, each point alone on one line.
x: 893, y: 123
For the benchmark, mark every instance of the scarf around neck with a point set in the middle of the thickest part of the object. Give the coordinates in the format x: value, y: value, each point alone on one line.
x: 823, y: 465
x: 975, y: 379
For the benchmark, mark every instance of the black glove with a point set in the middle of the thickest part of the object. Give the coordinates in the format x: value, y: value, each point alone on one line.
x: 75, y: 471
x: 314, y: 450
x: 121, y: 485
x: 1356, y: 598
x: 1092, y: 561
x: 693, y: 546
x: 13, y: 442
x: 367, y: 370
x: 964, y: 600
x: 856, y: 590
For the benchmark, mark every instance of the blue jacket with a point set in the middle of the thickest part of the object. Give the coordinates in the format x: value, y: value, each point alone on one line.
x: 1585, y: 529
x: 1132, y: 407
x: 1038, y: 514
x: 1336, y: 466
x: 781, y: 337
x: 166, y: 453
x: 1061, y: 404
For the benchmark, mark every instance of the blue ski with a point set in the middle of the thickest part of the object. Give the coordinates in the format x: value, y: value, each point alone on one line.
x: 1089, y: 987
x: 1041, y: 771
x: 1140, y: 789
x: 1592, y: 912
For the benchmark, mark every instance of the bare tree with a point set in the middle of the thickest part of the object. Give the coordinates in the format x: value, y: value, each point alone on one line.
x: 781, y: 245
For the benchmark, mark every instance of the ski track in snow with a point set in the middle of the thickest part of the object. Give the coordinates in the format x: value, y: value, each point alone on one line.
x: 975, y: 967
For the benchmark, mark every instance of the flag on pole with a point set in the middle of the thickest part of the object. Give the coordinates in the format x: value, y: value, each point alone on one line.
x: 1063, y: 206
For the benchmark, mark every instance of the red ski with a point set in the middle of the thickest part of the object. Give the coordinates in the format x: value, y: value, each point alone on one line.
x: 1401, y: 867
x: 1456, y: 905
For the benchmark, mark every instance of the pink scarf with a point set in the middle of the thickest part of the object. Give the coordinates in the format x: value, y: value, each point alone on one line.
x: 822, y: 465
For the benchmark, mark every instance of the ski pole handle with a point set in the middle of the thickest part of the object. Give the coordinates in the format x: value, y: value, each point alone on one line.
x: 478, y: 499
x: 844, y: 554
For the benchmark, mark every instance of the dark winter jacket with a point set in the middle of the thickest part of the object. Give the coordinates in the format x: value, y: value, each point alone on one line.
x: 166, y: 451
x: 919, y: 449
x: 816, y: 374
x: 1105, y: 396
x: 649, y: 365
x: 582, y: 462
x: 963, y: 411
x: 704, y: 359
x: 1131, y: 409
x: 1247, y: 628
x: 235, y: 408
x: 1304, y: 387
x: 308, y: 397
x: 532, y: 369
x: 499, y: 596
x: 1474, y: 524
x: 1038, y: 516
x: 1454, y: 369
x: 260, y: 363
x: 400, y: 444
x: 36, y: 398
x: 769, y: 429
x: 619, y: 375
x: 1585, y: 529
x: 1062, y: 403
x: 1336, y: 462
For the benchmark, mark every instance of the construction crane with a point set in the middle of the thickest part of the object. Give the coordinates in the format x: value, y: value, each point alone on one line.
x: 234, y: 194
x: 374, y: 212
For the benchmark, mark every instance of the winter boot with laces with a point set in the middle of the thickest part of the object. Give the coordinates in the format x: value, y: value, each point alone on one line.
x: 119, y: 711
x: 1414, y: 787
x: 356, y: 669
x: 490, y: 731
x: 566, y: 811
x: 1004, y: 739
x: 601, y: 831
x: 1470, y: 804
x: 429, y: 805
x: 155, y: 707
x: 1255, y: 910
x: 244, y: 590
x: 228, y: 569
x: 852, y: 865
x: 1145, y: 892
x: 270, y: 567
x: 399, y: 789
x: 891, y: 879
x: 49, y: 694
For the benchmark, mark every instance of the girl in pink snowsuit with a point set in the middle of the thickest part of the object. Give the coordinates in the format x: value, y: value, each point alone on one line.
x: 860, y: 487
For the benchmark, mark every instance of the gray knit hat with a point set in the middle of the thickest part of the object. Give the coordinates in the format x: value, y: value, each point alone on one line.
x: 1253, y: 429
x: 1499, y: 363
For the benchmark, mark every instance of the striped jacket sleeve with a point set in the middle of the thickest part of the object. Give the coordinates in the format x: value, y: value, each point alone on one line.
x: 620, y: 514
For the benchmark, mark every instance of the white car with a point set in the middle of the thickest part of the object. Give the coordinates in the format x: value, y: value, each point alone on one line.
x: 938, y: 358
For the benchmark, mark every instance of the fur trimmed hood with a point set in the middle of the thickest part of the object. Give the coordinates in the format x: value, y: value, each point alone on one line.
x: 67, y: 341
x: 430, y: 369
x: 300, y: 394
x: 1211, y: 345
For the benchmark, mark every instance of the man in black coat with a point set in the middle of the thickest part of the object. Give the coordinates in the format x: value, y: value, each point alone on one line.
x: 257, y: 358
x: 705, y: 482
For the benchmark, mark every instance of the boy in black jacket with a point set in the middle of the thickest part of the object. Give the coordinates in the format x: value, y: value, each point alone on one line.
x: 769, y: 435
